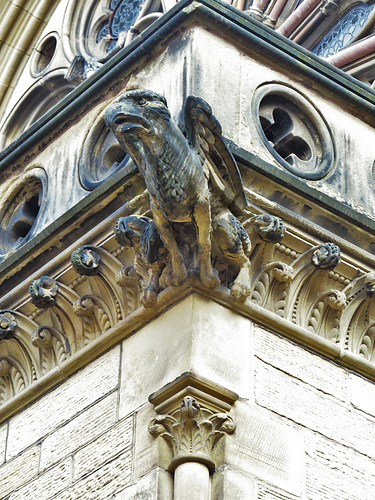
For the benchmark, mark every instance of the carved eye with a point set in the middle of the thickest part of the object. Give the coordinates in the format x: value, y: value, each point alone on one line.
x: 142, y: 101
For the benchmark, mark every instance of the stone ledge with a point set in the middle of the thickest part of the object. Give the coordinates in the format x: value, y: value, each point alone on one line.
x: 167, y: 299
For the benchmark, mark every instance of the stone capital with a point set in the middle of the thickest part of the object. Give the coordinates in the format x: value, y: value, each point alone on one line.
x: 192, y: 417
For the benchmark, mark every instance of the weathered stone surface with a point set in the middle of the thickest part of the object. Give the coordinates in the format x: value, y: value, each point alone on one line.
x: 336, y: 472
x: 293, y: 359
x: 79, y: 431
x: 146, y: 455
x: 362, y: 394
x: 19, y: 471
x: 103, y: 483
x: 266, y: 492
x: 60, y: 405
x: 3, y: 438
x: 313, y: 409
x: 265, y: 449
x: 228, y: 484
x: 48, y: 484
x: 197, y: 335
x: 107, y: 446
x: 156, y: 485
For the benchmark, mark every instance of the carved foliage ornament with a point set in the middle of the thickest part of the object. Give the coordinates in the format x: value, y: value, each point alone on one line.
x: 268, y: 227
x: 193, y: 433
x: 326, y: 256
x: 43, y: 292
x: 8, y: 324
x: 85, y: 261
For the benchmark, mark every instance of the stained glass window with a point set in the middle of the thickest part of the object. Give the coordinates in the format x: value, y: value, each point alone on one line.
x: 344, y: 30
x: 122, y: 16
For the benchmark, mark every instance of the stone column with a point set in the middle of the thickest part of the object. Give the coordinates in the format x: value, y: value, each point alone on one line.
x: 191, y: 422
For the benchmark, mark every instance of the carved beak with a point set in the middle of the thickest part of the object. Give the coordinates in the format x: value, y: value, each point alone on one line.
x: 125, y: 122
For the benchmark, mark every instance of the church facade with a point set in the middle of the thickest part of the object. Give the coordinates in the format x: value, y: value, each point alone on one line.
x: 187, y: 251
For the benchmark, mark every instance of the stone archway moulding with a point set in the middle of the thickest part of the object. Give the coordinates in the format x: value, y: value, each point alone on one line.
x: 21, y: 26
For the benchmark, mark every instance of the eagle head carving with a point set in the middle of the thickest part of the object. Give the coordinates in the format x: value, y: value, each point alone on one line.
x: 139, y: 117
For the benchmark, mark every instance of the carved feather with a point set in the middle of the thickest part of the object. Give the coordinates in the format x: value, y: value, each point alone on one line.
x: 203, y: 132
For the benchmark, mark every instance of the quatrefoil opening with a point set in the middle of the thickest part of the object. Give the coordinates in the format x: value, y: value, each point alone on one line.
x: 293, y: 131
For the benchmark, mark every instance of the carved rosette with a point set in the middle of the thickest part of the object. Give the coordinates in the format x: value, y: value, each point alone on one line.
x: 269, y: 227
x: 192, y: 433
x: 43, y: 292
x: 326, y: 256
x: 85, y: 261
x: 8, y: 324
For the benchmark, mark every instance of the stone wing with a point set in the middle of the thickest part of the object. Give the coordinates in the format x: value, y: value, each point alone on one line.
x: 203, y: 131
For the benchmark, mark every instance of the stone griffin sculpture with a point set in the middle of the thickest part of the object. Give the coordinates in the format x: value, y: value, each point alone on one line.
x: 194, y: 187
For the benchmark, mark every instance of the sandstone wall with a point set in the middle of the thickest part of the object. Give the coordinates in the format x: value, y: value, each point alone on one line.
x: 304, y: 424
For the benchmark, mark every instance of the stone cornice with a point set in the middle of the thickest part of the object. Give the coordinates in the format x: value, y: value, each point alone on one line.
x: 167, y: 299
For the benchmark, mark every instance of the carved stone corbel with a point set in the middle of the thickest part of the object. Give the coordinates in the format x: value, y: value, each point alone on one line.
x: 192, y: 418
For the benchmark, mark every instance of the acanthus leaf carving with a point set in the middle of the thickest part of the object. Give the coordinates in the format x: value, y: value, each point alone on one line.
x: 94, y: 314
x: 12, y: 380
x: 54, y: 347
x: 192, y: 432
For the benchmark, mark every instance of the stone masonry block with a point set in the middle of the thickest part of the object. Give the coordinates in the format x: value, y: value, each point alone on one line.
x: 266, y: 492
x: 79, y: 431
x: 301, y: 364
x: 60, y: 405
x: 48, y: 484
x: 266, y: 449
x: 155, y: 486
x: 103, y: 483
x: 228, y: 484
x: 146, y: 455
x: 104, y: 448
x: 195, y: 335
x: 19, y: 471
x: 3, y: 439
x: 313, y: 409
x: 336, y: 472
x: 362, y: 394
